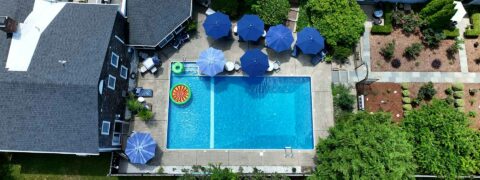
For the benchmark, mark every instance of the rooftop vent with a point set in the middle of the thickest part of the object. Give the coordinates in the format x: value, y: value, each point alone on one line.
x: 7, y: 24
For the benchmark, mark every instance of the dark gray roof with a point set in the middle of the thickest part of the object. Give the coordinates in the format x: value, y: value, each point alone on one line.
x: 51, y: 107
x: 152, y: 20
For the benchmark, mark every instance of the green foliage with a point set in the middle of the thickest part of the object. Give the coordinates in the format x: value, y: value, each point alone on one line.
x: 341, y: 54
x: 427, y: 91
x: 145, y: 114
x: 438, y: 13
x: 379, y: 29
x: 410, y: 23
x: 405, y: 93
x: 455, y: 47
x: 303, y: 18
x: 449, y: 91
x: 272, y: 12
x: 458, y: 87
x: 404, y: 86
x: 341, y: 22
x: 192, y: 26
x: 443, y: 143
x: 474, y: 32
x: 472, y: 91
x: 450, y: 100
x: 365, y: 146
x: 342, y: 99
x: 407, y: 107
x: 458, y: 94
x: 472, y: 114
x: 218, y: 173
x: 451, y: 34
x: 459, y: 103
x: 389, y: 50
x: 406, y: 100
x: 133, y: 105
x: 432, y: 38
x: 226, y: 6
x: 472, y: 101
x: 413, y: 51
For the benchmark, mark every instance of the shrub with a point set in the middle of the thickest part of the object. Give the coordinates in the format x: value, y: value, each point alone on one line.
x: 451, y: 34
x: 472, y: 91
x: 404, y: 86
x: 379, y: 29
x: 407, y: 107
x: 413, y: 51
x: 458, y: 94
x: 396, y: 63
x: 342, y: 99
x: 474, y: 32
x: 438, y: 13
x: 472, y: 114
x: 341, y: 54
x: 192, y: 26
x: 450, y: 100
x: 457, y: 87
x: 272, y: 12
x: 436, y: 63
x: 388, y: 51
x: 406, y: 100
x: 145, y: 114
x: 459, y: 103
x: 432, y: 38
x: 454, y: 48
x: 460, y: 109
x: 449, y: 91
x: 226, y: 6
x: 472, y: 101
x: 405, y: 93
x: 410, y: 23
x: 427, y: 91
x: 134, y: 106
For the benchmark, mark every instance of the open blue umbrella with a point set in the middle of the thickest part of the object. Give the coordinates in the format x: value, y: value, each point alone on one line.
x: 140, y: 148
x: 250, y: 27
x: 279, y: 38
x: 254, y: 62
x: 211, y: 61
x: 310, y: 41
x: 217, y: 25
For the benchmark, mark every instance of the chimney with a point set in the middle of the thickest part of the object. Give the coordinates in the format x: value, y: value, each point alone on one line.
x: 7, y: 24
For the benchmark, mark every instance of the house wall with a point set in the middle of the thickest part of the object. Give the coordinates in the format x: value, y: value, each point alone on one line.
x: 112, y: 102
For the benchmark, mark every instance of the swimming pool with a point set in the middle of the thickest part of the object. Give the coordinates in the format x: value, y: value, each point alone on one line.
x: 229, y: 112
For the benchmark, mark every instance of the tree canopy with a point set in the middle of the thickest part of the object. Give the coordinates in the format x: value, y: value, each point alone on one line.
x: 272, y: 12
x: 438, y: 13
x: 444, y: 145
x: 365, y: 146
x: 340, y: 21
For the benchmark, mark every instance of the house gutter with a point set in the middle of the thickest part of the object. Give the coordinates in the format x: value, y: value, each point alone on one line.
x: 51, y: 152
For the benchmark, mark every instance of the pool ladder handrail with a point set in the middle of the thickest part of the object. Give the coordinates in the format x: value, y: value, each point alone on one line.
x: 288, y: 152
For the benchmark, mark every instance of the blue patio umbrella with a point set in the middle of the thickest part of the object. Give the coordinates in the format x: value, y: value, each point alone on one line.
x: 250, y: 27
x: 217, y: 25
x: 254, y: 62
x: 211, y: 61
x: 279, y: 38
x: 310, y: 41
x: 140, y: 148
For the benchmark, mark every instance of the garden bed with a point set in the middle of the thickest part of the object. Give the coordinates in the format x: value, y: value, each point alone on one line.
x: 472, y: 103
x: 385, y: 97
x: 473, y: 54
x: 423, y: 62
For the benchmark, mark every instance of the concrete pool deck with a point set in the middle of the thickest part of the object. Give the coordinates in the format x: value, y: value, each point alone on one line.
x: 172, y: 161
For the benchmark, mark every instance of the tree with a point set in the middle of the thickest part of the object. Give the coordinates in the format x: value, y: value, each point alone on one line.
x: 438, y: 13
x: 272, y: 12
x: 226, y: 6
x: 340, y: 21
x: 342, y: 99
x: 365, y: 146
x: 443, y: 143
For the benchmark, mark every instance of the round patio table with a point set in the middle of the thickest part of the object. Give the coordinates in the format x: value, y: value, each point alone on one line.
x: 378, y: 13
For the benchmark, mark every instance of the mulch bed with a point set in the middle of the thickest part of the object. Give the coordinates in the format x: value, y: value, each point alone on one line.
x: 385, y: 97
x: 423, y: 63
x: 472, y: 103
x: 473, y: 55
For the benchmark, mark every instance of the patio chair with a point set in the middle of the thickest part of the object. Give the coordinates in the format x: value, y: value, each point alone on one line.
x: 276, y: 66
x: 143, y: 69
x: 153, y: 70
x: 141, y: 92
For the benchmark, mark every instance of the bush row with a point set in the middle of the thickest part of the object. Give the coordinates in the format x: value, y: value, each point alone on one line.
x: 475, y: 31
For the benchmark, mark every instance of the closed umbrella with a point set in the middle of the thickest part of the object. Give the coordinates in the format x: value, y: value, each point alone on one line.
x: 254, y: 62
x: 140, y: 148
x: 250, y: 27
x: 279, y: 38
x: 211, y: 62
x: 310, y: 41
x: 217, y: 25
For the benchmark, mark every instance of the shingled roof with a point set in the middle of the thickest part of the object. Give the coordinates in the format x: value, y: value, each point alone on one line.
x: 53, y: 107
x: 152, y: 20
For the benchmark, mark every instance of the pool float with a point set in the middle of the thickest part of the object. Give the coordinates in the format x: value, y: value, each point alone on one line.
x: 180, y: 94
x: 178, y: 67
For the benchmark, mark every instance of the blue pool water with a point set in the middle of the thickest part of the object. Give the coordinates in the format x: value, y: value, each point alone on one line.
x: 242, y: 113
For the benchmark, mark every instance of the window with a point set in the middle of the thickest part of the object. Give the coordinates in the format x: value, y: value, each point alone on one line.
x: 124, y: 72
x: 105, y: 128
x: 111, y: 82
x: 114, y: 60
x: 116, y: 139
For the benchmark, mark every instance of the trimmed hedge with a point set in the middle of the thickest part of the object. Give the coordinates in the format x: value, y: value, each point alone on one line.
x: 451, y: 34
x: 459, y: 103
x: 458, y: 94
x: 406, y: 100
x: 475, y: 31
x: 405, y: 86
x: 387, y: 27
x: 405, y: 93
x: 407, y: 107
x: 457, y: 87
